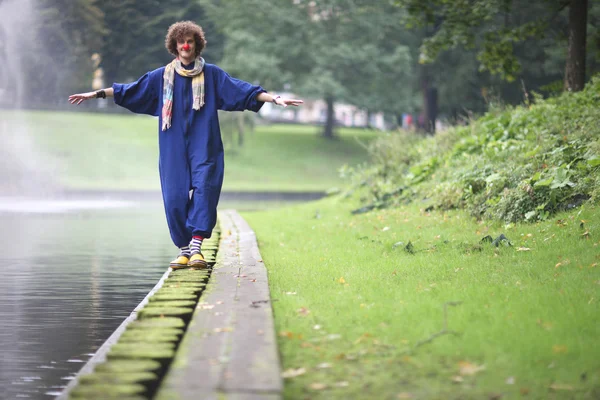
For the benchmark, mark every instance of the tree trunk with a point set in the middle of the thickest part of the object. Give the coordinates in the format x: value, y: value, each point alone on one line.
x: 575, y: 67
x: 429, y: 92
x: 328, y: 133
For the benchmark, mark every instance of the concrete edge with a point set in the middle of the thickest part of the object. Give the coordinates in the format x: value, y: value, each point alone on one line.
x: 100, y: 355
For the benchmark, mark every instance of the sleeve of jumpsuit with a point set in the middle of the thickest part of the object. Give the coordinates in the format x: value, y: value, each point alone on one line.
x: 140, y: 96
x: 237, y: 95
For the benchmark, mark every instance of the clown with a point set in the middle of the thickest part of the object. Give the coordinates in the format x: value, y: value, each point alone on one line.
x: 185, y: 96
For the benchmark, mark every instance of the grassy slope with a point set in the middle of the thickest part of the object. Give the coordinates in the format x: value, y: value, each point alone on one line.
x: 529, y: 317
x: 95, y: 151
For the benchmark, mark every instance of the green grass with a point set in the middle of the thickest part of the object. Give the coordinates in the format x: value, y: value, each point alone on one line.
x: 120, y: 152
x: 345, y: 296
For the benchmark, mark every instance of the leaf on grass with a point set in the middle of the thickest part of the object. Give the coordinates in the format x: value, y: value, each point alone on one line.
x: 324, y: 365
x: 341, y: 384
x: 559, y: 349
x: 385, y: 228
x: 560, y: 386
x: 341, y: 280
x: 523, y: 249
x: 303, y: 311
x: 510, y: 380
x: 317, y: 386
x: 457, y: 379
x: 362, y: 337
x: 405, y: 396
x: 290, y: 293
x: 467, y: 368
x: 292, y: 373
x: 287, y: 334
x: 317, y: 327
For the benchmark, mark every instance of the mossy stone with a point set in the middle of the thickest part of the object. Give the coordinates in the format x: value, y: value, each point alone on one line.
x: 101, y: 391
x: 154, y: 312
x: 165, y: 322
x: 171, y: 303
x: 127, y: 366
x: 154, y: 351
x: 175, y: 288
x: 196, y: 291
x: 175, y: 284
x: 151, y: 336
x: 189, y: 278
x: 112, y: 378
x: 159, y: 297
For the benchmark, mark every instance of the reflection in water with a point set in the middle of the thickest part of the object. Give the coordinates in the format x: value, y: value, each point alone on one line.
x: 69, y: 280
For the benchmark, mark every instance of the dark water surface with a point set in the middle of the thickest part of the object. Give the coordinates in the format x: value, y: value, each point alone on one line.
x: 71, y: 272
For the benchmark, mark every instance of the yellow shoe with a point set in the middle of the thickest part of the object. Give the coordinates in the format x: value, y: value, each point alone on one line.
x: 180, y: 262
x: 197, y: 261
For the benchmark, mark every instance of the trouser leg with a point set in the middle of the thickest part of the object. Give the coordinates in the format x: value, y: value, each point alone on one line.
x: 175, y: 184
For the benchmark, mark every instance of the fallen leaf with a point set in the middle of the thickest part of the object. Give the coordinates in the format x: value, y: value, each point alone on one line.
x: 292, y: 373
x: 523, y: 249
x: 317, y: 327
x: 207, y: 306
x: 524, y: 391
x: 341, y: 384
x: 226, y: 329
x: 404, y: 396
x: 303, y: 311
x: 324, y: 365
x: 559, y: 349
x: 318, y: 386
x: 287, y: 334
x: 290, y: 293
x: 457, y: 379
x: 467, y: 368
x: 560, y: 386
x: 386, y: 228
x: 510, y: 380
x: 342, y: 280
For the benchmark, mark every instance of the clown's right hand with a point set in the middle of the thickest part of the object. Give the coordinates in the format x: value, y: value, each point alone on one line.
x: 81, y: 97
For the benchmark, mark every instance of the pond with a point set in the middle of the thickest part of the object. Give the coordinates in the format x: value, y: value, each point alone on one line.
x: 72, y: 271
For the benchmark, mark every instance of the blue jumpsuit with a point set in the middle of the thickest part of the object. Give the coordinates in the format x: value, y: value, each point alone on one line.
x: 191, y: 150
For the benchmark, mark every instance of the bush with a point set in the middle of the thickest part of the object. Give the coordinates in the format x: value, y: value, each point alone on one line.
x: 517, y: 163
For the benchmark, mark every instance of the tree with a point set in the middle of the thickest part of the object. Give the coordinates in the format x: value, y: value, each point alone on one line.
x: 133, y: 42
x: 495, y: 27
x: 339, y: 50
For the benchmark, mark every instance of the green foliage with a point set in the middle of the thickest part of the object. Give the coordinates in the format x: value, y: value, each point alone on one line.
x: 351, y: 51
x: 518, y: 163
x: 492, y: 27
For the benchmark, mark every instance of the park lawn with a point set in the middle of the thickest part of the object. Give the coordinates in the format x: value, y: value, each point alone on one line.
x: 351, y: 309
x: 91, y: 151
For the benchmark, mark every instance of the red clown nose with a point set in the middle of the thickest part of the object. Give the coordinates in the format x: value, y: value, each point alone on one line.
x: 186, y: 47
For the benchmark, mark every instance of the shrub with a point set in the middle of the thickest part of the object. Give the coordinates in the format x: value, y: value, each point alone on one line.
x: 512, y: 164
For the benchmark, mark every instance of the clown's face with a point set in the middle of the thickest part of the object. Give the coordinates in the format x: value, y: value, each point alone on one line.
x: 186, y: 48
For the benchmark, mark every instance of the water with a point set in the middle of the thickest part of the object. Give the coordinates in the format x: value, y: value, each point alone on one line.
x: 72, y: 271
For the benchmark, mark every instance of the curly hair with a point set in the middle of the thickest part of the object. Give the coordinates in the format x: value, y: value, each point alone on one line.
x: 179, y: 30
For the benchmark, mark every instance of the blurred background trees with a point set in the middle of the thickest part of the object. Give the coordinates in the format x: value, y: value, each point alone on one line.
x: 431, y: 58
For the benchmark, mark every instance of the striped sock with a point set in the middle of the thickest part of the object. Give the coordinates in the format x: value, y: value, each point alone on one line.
x: 185, y: 251
x: 196, y: 244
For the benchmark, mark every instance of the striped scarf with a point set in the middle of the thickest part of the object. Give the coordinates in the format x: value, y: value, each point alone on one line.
x: 197, y: 76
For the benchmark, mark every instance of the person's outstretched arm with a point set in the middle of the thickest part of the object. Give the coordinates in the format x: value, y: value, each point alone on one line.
x: 81, y: 97
x: 280, y: 101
